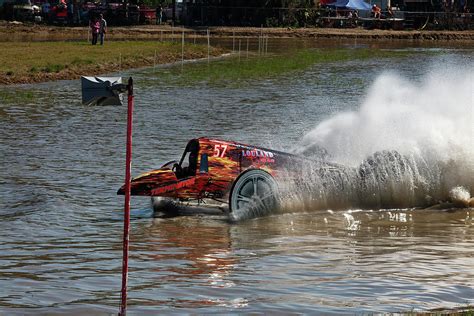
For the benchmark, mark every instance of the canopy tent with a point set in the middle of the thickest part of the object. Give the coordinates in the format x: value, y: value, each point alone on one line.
x: 351, y: 4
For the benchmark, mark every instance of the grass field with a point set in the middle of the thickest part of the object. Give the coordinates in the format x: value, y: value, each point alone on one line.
x: 24, y: 62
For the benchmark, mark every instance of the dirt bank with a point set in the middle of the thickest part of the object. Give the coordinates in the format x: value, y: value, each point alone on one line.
x: 24, y: 32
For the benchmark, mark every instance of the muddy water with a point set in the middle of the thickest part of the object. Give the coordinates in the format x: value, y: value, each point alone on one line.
x: 61, y: 224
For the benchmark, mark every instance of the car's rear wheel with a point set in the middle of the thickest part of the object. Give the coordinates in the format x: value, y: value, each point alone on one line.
x: 254, y: 194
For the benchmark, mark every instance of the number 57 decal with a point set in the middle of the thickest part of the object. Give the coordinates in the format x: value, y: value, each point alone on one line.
x: 219, y: 150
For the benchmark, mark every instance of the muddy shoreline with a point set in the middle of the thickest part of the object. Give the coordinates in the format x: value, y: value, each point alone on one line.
x: 11, y: 32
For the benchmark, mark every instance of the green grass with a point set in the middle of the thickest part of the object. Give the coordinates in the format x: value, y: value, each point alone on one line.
x: 82, y: 61
x: 232, y: 72
x: 53, y: 68
x: 24, y: 59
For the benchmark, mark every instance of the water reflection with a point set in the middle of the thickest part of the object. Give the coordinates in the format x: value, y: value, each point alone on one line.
x: 375, y: 250
x: 183, y: 249
x: 204, y: 248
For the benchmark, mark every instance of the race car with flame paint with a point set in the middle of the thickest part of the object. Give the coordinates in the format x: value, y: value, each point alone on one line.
x: 219, y: 170
x: 246, y: 177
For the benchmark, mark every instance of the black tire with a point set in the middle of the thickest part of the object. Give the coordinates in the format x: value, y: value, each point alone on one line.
x: 254, y: 194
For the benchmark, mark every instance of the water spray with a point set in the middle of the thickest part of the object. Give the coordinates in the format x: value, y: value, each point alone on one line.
x: 409, y: 144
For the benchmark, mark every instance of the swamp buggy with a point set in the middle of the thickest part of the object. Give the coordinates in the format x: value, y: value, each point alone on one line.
x: 245, y: 181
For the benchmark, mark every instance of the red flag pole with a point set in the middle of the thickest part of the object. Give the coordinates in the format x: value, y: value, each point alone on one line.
x: 126, y: 216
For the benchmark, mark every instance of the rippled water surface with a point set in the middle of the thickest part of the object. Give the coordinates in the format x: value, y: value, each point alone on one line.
x: 61, y: 220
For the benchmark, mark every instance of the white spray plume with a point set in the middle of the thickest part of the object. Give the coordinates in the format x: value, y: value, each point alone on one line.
x: 435, y: 116
x: 409, y: 144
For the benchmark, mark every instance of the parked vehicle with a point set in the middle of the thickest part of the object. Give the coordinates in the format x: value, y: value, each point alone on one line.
x: 147, y: 15
x: 20, y: 10
x: 116, y: 12
x: 133, y: 12
x: 58, y: 13
x: 179, y: 12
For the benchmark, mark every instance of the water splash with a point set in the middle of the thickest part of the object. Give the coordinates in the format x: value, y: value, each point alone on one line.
x: 409, y: 144
x: 460, y: 196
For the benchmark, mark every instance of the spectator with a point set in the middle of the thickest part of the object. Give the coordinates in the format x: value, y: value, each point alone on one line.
x: 95, y: 27
x: 159, y: 14
x: 376, y: 11
x: 45, y: 7
x: 102, y: 28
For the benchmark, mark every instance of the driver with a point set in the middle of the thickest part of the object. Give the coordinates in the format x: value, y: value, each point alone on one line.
x: 190, y: 169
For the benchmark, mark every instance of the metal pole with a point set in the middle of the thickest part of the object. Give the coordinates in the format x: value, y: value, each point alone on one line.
x: 266, y: 44
x: 182, y: 51
x: 259, y: 41
x: 239, y: 48
x: 126, y: 215
x: 247, y: 47
x: 208, y: 46
x: 233, y: 42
